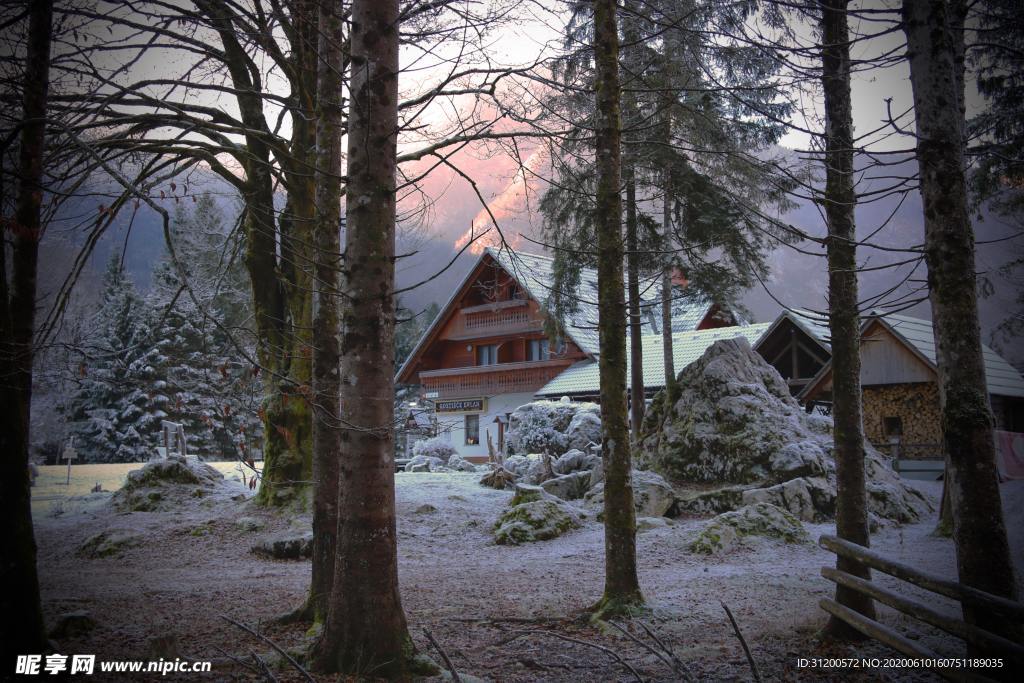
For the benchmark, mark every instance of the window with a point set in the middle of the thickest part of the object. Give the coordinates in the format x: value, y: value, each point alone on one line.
x: 893, y: 426
x: 487, y: 354
x: 472, y: 430
x: 537, y: 349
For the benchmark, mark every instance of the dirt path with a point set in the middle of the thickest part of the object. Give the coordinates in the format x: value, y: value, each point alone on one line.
x: 477, y: 598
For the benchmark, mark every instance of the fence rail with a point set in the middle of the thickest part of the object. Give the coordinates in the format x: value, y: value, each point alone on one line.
x: 930, y: 582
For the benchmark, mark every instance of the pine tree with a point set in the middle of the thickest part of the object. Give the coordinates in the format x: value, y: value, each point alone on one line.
x: 115, y: 412
x: 203, y: 381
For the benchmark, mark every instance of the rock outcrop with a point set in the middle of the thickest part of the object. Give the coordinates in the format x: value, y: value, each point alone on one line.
x: 760, y: 519
x: 735, y: 426
x: 166, y: 484
x: 535, y: 515
x: 553, y: 427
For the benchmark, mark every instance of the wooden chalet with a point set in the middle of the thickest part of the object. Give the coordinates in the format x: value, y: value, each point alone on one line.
x: 797, y: 345
x: 899, y: 381
x: 487, y: 352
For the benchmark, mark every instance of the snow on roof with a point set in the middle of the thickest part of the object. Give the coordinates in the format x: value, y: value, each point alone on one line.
x: 584, y: 377
x: 1003, y: 379
x: 814, y: 324
x: 536, y: 274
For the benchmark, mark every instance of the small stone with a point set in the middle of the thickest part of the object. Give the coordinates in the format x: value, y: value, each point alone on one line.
x: 72, y: 625
x: 647, y: 523
x: 425, y: 509
x: 249, y: 523
x: 286, y: 547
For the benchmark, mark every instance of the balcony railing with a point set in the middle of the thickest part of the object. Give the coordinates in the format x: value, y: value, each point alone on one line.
x: 495, y: 319
x: 488, y: 380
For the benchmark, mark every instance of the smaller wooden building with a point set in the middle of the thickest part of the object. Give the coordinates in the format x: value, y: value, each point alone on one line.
x: 899, y: 381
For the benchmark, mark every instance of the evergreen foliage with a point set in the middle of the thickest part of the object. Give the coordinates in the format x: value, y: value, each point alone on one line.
x: 696, y: 113
x: 112, y: 415
x: 173, y: 355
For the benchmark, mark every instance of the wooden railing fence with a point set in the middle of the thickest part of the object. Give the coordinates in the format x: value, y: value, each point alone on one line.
x: 991, y: 642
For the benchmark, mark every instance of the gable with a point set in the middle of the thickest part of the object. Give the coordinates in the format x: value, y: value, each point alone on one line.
x: 885, y: 359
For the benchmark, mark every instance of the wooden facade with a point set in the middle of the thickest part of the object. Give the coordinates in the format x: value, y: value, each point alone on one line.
x: 488, y: 345
x: 900, y: 395
x: 796, y: 354
x: 491, y: 341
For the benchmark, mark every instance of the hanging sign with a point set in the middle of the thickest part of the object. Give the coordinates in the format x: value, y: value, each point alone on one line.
x: 462, y: 405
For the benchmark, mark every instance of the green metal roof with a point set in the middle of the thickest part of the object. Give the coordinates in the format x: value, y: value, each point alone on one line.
x: 1002, y: 378
x: 584, y: 377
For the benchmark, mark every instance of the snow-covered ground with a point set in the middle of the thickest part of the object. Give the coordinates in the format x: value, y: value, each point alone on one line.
x: 486, y: 604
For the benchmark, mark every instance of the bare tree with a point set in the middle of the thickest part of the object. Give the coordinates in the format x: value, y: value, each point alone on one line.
x: 983, y: 554
x: 621, y: 587
x: 24, y: 630
x: 840, y: 200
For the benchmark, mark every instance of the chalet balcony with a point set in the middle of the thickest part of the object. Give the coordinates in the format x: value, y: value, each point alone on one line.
x: 489, y: 380
x: 495, y: 319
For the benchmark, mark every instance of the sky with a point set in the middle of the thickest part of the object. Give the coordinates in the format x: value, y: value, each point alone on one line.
x: 511, y: 197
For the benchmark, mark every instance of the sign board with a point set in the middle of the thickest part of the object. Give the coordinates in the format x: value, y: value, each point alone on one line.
x: 463, y: 405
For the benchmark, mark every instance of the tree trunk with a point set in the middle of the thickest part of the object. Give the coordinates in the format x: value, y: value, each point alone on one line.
x: 983, y: 554
x: 630, y: 124
x: 365, y: 631
x: 278, y: 258
x: 844, y: 319
x: 636, y: 349
x: 671, y: 390
x: 621, y: 588
x: 327, y: 309
x: 24, y: 631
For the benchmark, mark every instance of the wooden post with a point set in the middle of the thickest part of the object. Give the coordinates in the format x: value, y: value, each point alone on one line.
x: 70, y: 454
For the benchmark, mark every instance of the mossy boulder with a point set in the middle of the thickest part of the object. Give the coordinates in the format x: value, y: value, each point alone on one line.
x: 734, y: 425
x: 534, y: 515
x: 109, y: 543
x: 163, y: 484
x: 760, y: 519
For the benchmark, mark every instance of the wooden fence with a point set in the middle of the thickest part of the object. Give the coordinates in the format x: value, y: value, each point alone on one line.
x: 990, y: 642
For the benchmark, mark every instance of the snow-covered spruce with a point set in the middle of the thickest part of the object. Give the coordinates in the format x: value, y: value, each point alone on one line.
x: 735, y: 425
x: 535, y: 515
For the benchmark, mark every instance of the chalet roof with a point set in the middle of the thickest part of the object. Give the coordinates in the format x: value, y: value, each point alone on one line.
x: 813, y: 324
x: 1002, y: 378
x: 535, y: 274
x: 584, y: 376
x: 916, y: 334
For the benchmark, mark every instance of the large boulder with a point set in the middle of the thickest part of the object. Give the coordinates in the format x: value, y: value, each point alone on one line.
x: 423, y: 463
x: 166, y: 484
x: 534, y: 515
x: 576, y: 460
x: 457, y: 463
x: 568, y: 486
x: 760, y: 519
x: 553, y: 427
x: 652, y: 495
x: 734, y: 425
